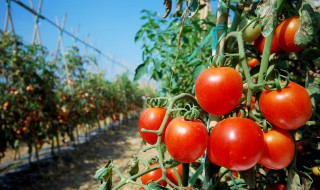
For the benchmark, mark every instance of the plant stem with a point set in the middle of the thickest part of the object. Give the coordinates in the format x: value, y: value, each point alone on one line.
x: 185, y: 174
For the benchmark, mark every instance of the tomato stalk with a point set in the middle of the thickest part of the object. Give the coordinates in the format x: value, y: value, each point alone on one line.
x: 266, y: 51
x: 169, y: 108
x: 185, y: 174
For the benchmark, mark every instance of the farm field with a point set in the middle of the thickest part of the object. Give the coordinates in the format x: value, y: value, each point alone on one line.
x: 216, y: 95
x: 77, y: 167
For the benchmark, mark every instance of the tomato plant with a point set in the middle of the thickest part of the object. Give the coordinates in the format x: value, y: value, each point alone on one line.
x: 151, y: 119
x: 153, y: 176
x: 186, y: 140
x: 288, y: 108
x: 279, y: 149
x: 285, y: 33
x: 225, y: 80
x: 259, y: 44
x: 236, y: 143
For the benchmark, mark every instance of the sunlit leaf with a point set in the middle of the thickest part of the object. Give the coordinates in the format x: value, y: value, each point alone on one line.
x: 306, y: 28
x: 267, y: 13
x: 133, y: 166
x: 198, y: 70
x: 140, y: 71
x: 312, y: 86
x: 298, y: 180
x: 105, y: 173
x: 223, y: 7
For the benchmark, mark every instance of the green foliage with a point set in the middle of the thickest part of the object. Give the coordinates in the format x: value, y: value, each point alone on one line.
x: 38, y: 103
x: 161, y: 58
x: 267, y: 12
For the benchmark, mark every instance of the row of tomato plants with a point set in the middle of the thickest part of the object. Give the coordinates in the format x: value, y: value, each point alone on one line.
x: 253, y: 115
x: 43, y: 101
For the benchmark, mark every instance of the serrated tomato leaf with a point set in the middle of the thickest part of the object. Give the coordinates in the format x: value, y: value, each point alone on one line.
x: 197, y: 71
x: 104, y: 173
x: 298, y: 180
x: 140, y: 71
x: 307, y: 25
x: 312, y: 86
x: 267, y: 13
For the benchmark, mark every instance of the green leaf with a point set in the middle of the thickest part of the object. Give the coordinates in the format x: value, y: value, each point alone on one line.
x: 133, y: 166
x: 155, y: 186
x: 193, y: 6
x: 140, y: 71
x: 195, y: 176
x: 105, y: 173
x: 298, y: 180
x: 267, y: 13
x: 171, y: 163
x: 312, y: 86
x: 223, y: 6
x: 307, y: 25
x: 138, y: 35
x: 315, y: 4
x: 249, y: 176
x: 317, y: 62
x: 197, y: 71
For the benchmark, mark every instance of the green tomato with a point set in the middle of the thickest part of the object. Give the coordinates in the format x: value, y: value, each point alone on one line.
x: 251, y: 29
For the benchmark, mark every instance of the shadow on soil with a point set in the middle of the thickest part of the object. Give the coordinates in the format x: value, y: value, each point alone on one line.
x: 77, y: 166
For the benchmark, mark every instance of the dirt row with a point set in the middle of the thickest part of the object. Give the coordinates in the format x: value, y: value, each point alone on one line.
x: 77, y: 167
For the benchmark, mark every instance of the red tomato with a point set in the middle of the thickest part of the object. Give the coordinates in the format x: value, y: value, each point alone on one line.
x: 151, y: 119
x: 259, y: 44
x: 171, y: 175
x: 153, y: 176
x: 218, y: 90
x: 253, y: 62
x: 186, y: 140
x: 285, y: 33
x: 236, y: 144
x: 288, y: 108
x: 279, y: 149
x: 279, y: 186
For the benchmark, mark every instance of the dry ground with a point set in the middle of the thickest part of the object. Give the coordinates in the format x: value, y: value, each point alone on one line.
x: 77, y: 167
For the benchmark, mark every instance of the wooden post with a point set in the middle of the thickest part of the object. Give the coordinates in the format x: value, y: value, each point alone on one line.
x: 60, y: 43
x: 222, y: 19
x: 8, y: 18
x: 36, y: 32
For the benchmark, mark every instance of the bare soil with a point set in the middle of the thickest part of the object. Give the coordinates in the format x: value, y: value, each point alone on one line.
x: 77, y: 167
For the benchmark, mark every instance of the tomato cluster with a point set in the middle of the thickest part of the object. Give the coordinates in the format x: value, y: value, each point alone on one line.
x: 283, y: 40
x: 260, y: 138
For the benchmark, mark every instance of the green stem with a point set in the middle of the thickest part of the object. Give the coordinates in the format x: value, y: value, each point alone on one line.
x: 185, y: 174
x: 266, y: 51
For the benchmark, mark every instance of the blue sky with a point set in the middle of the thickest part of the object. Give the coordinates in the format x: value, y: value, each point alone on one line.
x: 111, y: 24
